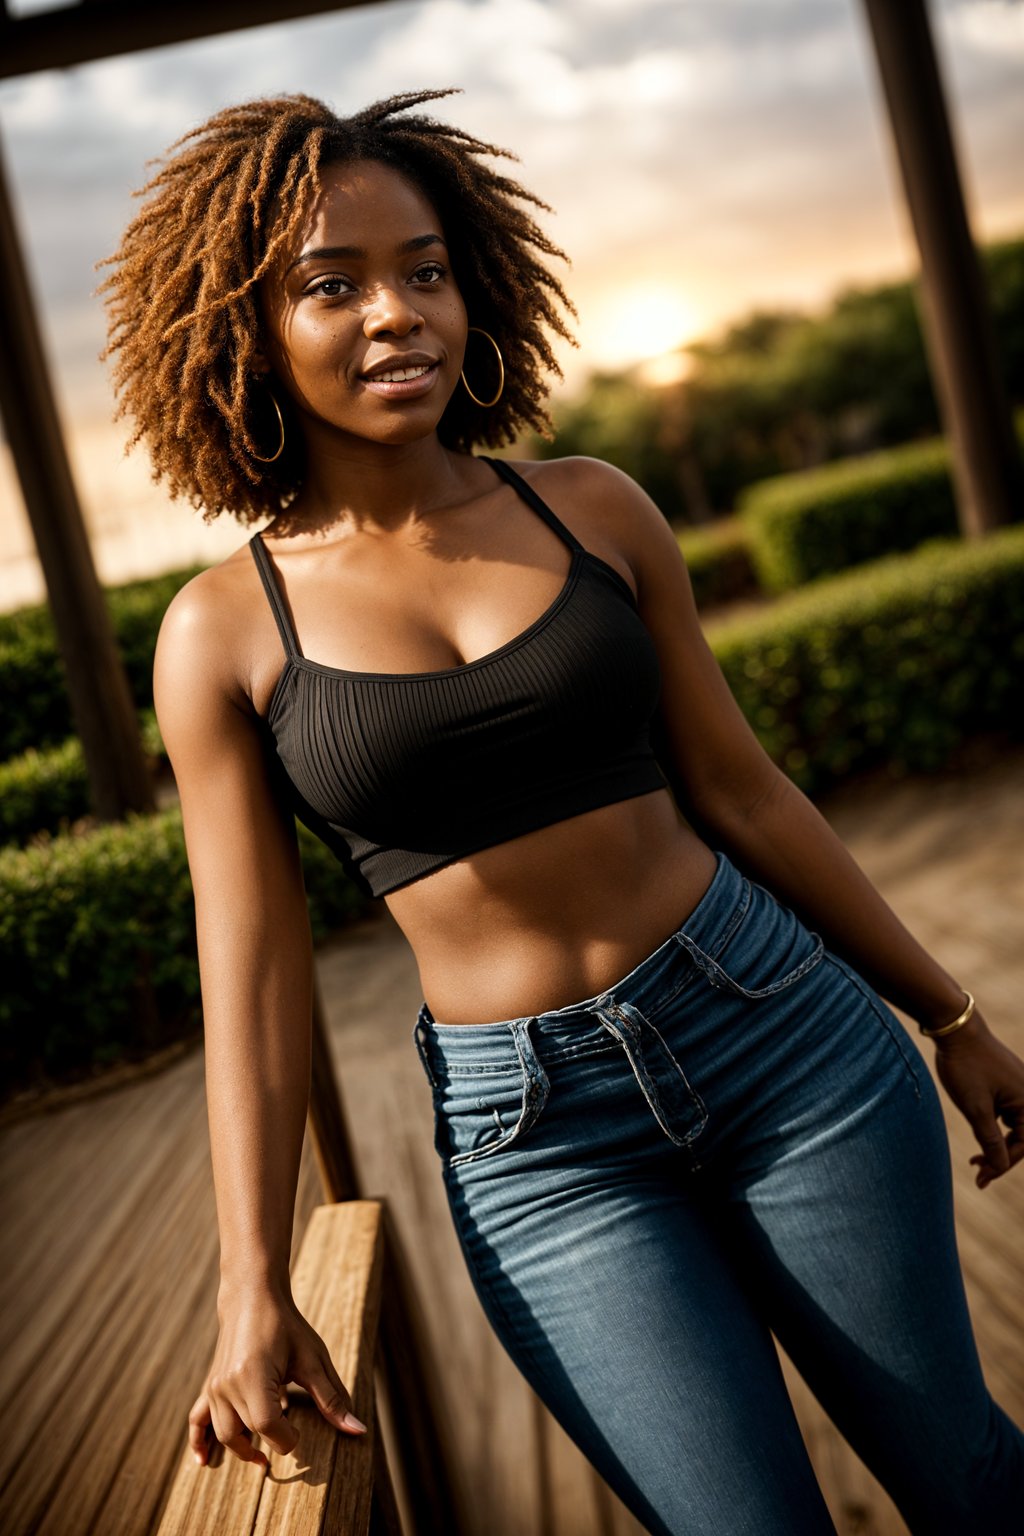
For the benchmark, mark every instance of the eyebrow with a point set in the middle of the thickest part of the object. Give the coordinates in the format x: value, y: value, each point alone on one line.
x: 357, y: 253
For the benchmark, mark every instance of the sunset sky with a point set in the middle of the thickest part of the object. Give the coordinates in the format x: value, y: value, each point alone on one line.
x: 701, y: 156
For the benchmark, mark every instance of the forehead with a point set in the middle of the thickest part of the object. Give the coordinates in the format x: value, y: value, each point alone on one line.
x: 363, y: 202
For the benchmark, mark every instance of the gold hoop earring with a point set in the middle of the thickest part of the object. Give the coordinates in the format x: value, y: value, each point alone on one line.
x: 280, y: 423
x: 501, y: 372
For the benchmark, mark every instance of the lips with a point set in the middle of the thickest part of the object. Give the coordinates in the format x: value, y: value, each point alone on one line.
x: 402, y: 377
x: 399, y: 367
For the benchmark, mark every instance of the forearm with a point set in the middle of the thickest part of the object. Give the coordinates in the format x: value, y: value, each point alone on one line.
x: 258, y: 1049
x: 786, y: 845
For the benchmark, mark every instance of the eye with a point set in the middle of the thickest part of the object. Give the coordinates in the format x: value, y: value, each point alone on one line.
x: 430, y: 273
x: 330, y: 287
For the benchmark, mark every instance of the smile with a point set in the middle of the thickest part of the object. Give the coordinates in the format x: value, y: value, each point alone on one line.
x: 403, y: 383
x: 399, y: 375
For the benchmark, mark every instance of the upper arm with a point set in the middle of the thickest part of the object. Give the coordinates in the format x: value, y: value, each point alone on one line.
x: 251, y: 914
x: 714, y: 755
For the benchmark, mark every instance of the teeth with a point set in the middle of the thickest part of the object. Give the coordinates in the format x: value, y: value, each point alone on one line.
x: 398, y: 375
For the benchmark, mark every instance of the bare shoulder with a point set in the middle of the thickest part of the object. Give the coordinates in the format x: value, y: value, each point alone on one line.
x: 204, y: 639
x: 603, y: 505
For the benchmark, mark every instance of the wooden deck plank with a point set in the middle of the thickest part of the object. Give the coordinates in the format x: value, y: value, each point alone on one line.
x: 41, y: 1254
x: 109, y: 1260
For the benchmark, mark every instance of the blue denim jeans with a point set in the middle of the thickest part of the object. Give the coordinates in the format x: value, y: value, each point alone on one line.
x: 738, y: 1139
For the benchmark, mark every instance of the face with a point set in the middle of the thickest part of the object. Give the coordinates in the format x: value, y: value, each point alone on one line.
x: 366, y: 327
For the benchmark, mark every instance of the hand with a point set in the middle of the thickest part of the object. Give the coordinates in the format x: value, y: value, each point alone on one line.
x: 985, y: 1080
x: 264, y: 1343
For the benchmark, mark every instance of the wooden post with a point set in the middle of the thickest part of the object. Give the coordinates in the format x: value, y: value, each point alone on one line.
x: 987, y: 470
x: 101, y: 702
x: 410, y: 1378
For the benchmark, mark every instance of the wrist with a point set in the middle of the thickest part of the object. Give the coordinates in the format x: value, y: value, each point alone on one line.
x: 245, y: 1281
x: 942, y: 1009
x: 957, y: 1038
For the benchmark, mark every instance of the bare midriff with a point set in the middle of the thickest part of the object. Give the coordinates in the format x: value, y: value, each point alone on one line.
x: 555, y: 916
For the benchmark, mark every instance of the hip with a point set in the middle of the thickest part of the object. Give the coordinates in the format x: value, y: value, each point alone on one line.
x: 739, y: 1035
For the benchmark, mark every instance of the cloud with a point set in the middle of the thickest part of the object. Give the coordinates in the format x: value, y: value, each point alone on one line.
x: 735, y: 147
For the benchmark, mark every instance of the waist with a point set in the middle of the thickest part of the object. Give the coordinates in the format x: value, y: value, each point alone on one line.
x: 555, y: 915
x: 484, y: 1044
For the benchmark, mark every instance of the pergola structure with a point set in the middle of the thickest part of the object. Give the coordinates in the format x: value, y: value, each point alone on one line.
x: 987, y: 472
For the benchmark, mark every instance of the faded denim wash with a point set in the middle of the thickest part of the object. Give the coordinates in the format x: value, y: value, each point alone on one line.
x: 737, y: 1139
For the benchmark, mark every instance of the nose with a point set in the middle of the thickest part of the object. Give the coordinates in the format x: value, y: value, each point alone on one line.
x: 391, y: 311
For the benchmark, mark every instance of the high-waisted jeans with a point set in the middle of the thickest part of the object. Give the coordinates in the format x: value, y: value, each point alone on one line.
x: 737, y: 1139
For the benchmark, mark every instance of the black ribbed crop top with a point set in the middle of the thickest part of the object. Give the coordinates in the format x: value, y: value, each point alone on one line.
x: 400, y: 773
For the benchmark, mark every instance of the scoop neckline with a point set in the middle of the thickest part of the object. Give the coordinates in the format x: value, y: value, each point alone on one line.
x: 308, y: 664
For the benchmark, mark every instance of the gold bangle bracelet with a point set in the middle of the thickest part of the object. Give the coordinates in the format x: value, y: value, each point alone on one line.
x: 947, y: 1029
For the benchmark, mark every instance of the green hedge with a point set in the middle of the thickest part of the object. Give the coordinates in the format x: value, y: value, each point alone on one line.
x: 85, y: 920
x: 35, y: 709
x: 818, y: 521
x: 811, y: 524
x: 719, y: 561
x: 895, y: 663
x: 45, y: 791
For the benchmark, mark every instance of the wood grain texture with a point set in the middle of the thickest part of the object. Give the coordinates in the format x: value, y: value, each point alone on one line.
x: 326, y: 1482
x: 108, y: 1270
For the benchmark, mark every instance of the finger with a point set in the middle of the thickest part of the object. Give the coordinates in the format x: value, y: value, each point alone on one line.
x: 328, y: 1391
x: 990, y: 1138
x: 264, y: 1413
x: 233, y: 1432
x: 200, y: 1428
x: 986, y: 1173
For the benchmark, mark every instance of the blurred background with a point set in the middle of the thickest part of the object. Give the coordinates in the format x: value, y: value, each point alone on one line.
x: 797, y: 239
x: 721, y: 176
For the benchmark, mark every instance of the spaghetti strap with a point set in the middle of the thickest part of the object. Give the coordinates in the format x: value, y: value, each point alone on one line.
x: 261, y: 555
x: 529, y: 495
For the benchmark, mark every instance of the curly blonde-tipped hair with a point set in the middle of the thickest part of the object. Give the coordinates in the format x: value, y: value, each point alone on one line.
x: 183, y: 311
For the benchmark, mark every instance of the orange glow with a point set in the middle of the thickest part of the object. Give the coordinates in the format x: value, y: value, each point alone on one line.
x: 642, y: 325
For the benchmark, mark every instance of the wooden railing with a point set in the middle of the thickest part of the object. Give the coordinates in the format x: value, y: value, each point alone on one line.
x: 332, y: 1482
x: 352, y: 1284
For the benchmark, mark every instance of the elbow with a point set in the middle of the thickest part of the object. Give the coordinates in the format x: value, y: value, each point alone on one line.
x: 728, y: 805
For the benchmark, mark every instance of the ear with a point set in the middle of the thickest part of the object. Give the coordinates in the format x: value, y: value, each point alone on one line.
x: 260, y: 362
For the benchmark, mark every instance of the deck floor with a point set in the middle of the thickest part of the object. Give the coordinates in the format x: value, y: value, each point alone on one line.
x: 109, y: 1272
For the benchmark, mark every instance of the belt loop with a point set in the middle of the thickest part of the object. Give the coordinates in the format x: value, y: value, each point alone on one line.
x: 677, y: 1107
x: 420, y: 1035
x: 536, y: 1084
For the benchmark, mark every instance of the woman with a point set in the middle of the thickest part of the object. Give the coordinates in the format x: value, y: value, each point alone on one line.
x: 672, y: 1111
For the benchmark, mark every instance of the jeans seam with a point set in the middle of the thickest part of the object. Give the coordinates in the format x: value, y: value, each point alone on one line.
x: 856, y: 981
x: 533, y: 1082
x: 474, y: 1268
x: 646, y: 1082
x: 713, y: 969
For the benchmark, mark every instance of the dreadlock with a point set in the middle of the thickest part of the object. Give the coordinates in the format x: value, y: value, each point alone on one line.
x: 183, y: 316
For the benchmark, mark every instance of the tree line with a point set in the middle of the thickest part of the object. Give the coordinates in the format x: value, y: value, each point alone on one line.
x: 782, y: 390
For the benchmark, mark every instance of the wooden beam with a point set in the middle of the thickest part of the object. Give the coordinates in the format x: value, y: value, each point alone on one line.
x: 101, y: 702
x: 987, y: 469
x: 99, y: 29
x: 326, y: 1484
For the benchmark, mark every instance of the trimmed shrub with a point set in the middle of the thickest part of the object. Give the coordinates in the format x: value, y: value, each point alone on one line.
x: 822, y: 520
x: 894, y: 663
x: 94, y: 929
x: 34, y: 706
x: 44, y: 791
x: 718, y: 559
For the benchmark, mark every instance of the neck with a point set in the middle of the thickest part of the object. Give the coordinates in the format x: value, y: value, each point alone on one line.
x: 373, y: 486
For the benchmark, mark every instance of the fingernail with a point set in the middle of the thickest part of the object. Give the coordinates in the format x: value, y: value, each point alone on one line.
x: 198, y: 1458
x: 351, y: 1422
